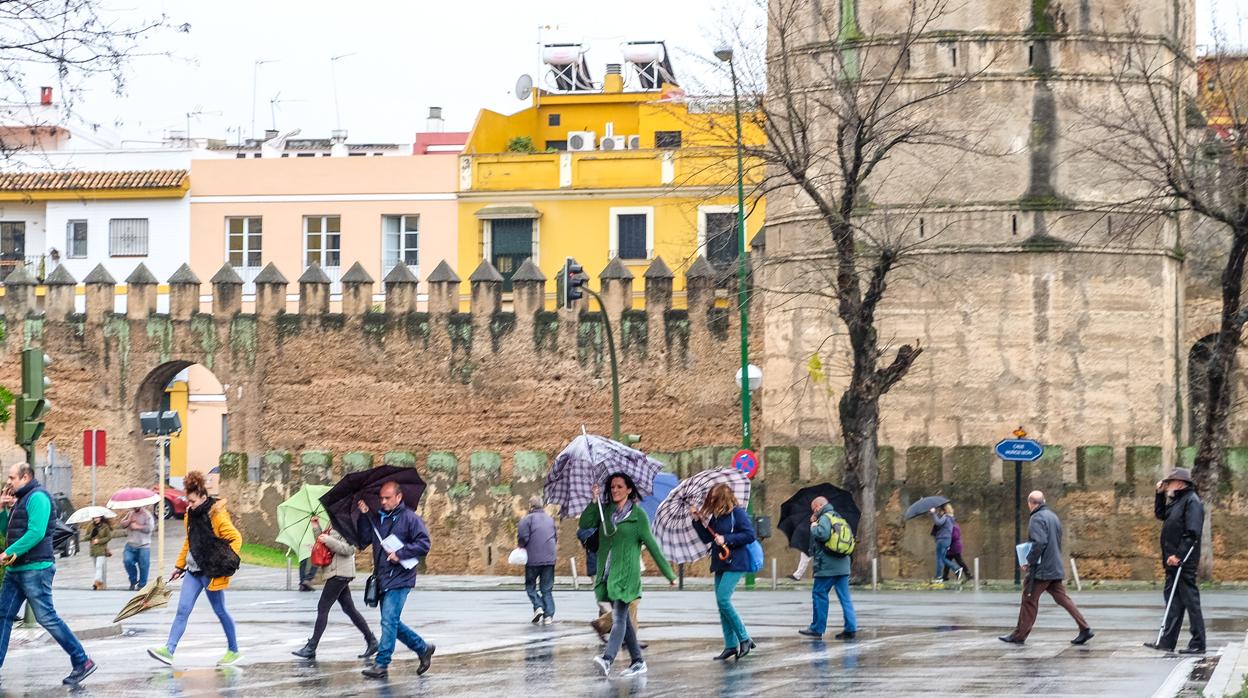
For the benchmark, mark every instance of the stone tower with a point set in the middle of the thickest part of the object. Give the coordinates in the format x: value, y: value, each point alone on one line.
x: 1030, y: 308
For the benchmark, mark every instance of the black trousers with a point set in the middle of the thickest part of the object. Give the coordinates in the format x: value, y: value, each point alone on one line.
x: 338, y: 589
x: 1186, y: 600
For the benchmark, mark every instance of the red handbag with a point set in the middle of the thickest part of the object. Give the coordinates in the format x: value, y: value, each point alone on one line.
x: 321, y: 554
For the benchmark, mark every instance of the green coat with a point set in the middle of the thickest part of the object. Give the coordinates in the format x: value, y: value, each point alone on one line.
x: 103, y: 532
x: 621, y: 580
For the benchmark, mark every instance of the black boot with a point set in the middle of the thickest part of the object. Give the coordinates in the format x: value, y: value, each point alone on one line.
x: 371, y: 649
x: 308, y: 651
x: 744, y: 648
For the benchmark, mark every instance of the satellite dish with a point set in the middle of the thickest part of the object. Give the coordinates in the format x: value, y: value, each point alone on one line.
x: 524, y: 86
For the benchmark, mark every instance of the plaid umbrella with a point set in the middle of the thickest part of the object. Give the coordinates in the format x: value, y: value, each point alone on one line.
x: 586, y: 462
x: 673, y: 526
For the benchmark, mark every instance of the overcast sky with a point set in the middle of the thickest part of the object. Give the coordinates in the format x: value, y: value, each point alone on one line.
x: 407, y: 55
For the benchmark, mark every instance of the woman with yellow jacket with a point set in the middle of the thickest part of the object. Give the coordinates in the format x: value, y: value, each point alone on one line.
x: 208, y: 559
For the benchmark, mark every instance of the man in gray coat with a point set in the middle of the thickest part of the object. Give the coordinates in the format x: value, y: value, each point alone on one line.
x: 538, y: 535
x: 1044, y: 571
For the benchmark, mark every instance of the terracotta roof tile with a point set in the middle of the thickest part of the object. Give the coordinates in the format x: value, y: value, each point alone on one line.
x: 51, y: 181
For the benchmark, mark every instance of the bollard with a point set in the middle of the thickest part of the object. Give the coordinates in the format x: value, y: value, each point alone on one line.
x: 681, y: 586
x: 1075, y: 570
x: 576, y: 583
x: 976, y: 574
x: 773, y: 574
x: 875, y: 574
x: 287, y: 573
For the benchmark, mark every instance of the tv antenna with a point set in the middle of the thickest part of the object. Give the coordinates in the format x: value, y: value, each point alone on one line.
x: 276, y: 100
x: 333, y: 78
x: 255, y: 81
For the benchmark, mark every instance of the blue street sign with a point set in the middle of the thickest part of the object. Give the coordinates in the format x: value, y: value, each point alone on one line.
x: 1024, y: 450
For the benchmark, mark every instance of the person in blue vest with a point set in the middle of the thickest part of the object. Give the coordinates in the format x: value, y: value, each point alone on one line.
x: 27, y: 517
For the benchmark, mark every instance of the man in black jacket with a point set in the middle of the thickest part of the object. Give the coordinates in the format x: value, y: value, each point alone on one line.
x: 1180, y: 508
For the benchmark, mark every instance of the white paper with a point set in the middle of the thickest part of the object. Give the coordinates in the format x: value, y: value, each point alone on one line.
x: 391, y: 543
x: 1022, y: 550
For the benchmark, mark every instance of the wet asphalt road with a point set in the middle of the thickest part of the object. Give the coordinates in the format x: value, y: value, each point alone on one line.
x: 912, y: 643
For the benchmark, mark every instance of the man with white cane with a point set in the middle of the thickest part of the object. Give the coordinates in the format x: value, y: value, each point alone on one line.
x: 1183, y: 514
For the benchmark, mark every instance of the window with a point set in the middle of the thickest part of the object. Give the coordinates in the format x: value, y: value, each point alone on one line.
x: 632, y: 232
x: 76, y: 239
x: 127, y: 237
x: 322, y: 240
x: 557, y: 145
x: 243, y: 241
x: 12, y: 239
x: 552, y: 120
x: 511, y: 242
x: 667, y: 139
x: 721, y: 237
x: 399, y: 238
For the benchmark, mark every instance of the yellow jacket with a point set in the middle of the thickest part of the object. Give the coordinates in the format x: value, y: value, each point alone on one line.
x: 223, y: 528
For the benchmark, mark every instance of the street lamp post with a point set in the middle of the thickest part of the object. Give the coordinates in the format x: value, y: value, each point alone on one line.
x: 724, y: 53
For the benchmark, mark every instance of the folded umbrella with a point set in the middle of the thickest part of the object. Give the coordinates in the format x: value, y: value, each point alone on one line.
x: 85, y: 514
x: 294, y: 519
x: 673, y: 527
x: 920, y: 507
x: 664, y: 483
x: 795, y: 512
x: 156, y: 593
x: 340, y: 501
x: 588, y: 461
x: 132, y: 498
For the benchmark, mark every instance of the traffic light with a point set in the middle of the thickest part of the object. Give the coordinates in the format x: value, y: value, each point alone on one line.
x: 32, y: 405
x: 572, y: 278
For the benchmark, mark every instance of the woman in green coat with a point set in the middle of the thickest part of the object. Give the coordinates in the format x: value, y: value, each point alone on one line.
x: 620, y: 537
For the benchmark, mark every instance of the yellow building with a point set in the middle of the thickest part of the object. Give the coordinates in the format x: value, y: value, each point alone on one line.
x: 598, y: 174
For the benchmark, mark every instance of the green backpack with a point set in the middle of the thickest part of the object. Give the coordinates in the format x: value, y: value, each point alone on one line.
x: 841, y: 542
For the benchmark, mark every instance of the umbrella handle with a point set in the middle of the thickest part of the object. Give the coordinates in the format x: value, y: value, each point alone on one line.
x: 725, y: 553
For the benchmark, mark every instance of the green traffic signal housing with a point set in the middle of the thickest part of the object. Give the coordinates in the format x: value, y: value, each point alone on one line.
x: 570, y: 283
x: 32, y: 406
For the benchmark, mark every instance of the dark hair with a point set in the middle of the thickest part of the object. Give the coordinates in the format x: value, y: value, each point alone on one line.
x: 25, y: 470
x: 628, y: 482
x: 193, y: 483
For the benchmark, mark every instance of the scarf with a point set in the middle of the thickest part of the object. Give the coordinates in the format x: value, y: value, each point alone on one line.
x: 212, y: 555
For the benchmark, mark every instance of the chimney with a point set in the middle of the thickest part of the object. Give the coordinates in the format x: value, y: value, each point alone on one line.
x: 435, y: 124
x: 45, y: 96
x: 338, y: 143
x: 614, y: 80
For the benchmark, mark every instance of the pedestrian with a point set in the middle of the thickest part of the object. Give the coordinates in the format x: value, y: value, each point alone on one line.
x: 803, y: 562
x: 208, y: 559
x: 396, y: 574
x: 942, y: 531
x: 831, y: 572
x: 955, y: 548
x: 99, y: 533
x: 138, y: 523
x: 723, y: 524
x: 307, y: 573
x: 1179, y: 507
x: 537, y: 534
x: 27, y: 521
x: 1045, y: 571
x: 589, y: 542
x: 623, y: 528
x: 337, y: 589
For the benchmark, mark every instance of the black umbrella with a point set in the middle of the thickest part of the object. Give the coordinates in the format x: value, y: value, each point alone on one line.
x: 920, y: 507
x: 795, y: 512
x: 340, y: 501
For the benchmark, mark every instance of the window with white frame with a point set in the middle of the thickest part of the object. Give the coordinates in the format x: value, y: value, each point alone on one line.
x: 243, y: 239
x: 127, y: 237
x: 76, y: 239
x: 322, y: 240
x: 632, y: 233
x: 399, y: 241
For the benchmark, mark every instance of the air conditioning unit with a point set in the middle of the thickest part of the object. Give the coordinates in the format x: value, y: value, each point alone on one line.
x: 581, y: 140
x: 634, y: 142
x: 613, y: 143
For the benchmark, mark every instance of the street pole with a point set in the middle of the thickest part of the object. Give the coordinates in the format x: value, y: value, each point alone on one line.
x: 615, y: 368
x: 161, y: 443
x: 1018, y: 516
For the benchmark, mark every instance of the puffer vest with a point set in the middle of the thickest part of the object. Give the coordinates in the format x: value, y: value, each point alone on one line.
x: 19, y: 521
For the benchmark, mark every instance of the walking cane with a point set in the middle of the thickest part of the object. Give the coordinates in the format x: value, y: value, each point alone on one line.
x: 1173, y: 588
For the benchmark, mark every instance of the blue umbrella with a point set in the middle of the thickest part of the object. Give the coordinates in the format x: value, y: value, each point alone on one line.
x: 663, y: 483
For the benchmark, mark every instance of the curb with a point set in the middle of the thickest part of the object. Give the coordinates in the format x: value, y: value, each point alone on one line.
x: 32, y: 635
x: 1232, y: 668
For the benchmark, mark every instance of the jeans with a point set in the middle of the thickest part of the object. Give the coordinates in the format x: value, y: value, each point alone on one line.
x: 35, y: 588
x: 942, y: 547
x: 622, y: 632
x: 137, y: 560
x: 392, y: 627
x: 192, y: 585
x: 545, y: 600
x: 734, y: 629
x: 338, y: 589
x: 819, y: 597
x: 307, y: 571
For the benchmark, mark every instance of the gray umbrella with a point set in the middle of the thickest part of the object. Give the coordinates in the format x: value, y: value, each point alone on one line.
x: 920, y: 507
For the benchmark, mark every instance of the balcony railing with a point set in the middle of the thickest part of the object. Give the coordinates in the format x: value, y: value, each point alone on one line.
x: 37, y: 266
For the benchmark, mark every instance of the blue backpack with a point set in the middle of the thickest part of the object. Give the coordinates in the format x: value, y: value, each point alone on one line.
x: 755, y: 549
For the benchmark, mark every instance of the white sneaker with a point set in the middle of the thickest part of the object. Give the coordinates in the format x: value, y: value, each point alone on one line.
x: 548, y: 620
x: 959, y: 575
x: 795, y: 577
x: 636, y: 669
x: 537, y: 616
x: 602, y: 665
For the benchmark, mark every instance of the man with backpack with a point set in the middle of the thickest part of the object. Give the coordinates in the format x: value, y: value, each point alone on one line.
x: 831, y: 543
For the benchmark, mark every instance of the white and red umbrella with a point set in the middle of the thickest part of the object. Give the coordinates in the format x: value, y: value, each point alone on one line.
x: 132, y: 498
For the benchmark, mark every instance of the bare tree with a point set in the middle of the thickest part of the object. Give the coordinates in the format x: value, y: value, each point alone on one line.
x: 856, y: 148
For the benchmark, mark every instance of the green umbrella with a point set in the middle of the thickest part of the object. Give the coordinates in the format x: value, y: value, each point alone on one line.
x: 294, y: 519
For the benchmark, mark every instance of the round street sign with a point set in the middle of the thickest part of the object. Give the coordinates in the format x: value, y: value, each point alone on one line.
x: 747, y: 462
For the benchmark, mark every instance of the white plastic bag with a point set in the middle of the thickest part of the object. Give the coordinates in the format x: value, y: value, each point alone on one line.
x: 518, y: 557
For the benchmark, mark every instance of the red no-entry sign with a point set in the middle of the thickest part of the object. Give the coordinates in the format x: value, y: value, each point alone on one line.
x: 94, y: 447
x: 747, y: 462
